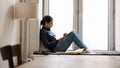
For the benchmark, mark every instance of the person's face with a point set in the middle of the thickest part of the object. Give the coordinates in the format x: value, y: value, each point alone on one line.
x: 49, y: 25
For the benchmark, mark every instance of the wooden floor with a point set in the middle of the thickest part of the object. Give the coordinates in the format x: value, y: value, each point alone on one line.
x: 73, y: 61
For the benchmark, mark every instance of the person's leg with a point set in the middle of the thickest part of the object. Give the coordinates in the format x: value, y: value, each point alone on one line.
x: 78, y: 41
x: 72, y: 36
x: 64, y: 45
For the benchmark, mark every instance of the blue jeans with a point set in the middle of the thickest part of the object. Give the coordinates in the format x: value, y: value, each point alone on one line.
x: 71, y: 37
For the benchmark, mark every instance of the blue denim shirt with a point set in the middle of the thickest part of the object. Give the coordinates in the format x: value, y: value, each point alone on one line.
x: 48, y: 38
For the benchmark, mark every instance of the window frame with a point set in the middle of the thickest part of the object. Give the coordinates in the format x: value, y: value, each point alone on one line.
x: 78, y: 19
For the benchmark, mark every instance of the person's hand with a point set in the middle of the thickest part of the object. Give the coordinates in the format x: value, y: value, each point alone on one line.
x: 60, y: 39
x: 64, y: 34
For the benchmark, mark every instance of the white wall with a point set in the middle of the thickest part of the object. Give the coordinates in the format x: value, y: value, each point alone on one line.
x: 9, y: 30
x: 117, y: 25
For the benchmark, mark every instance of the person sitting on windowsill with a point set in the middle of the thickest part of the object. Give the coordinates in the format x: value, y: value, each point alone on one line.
x: 58, y: 45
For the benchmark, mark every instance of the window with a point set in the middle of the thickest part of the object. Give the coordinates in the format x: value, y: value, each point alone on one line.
x: 95, y: 24
x: 62, y: 13
x: 97, y: 31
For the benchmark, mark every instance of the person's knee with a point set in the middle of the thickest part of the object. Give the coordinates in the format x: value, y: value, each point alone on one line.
x: 72, y: 33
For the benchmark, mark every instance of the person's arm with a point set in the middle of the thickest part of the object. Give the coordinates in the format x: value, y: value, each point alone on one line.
x: 44, y: 39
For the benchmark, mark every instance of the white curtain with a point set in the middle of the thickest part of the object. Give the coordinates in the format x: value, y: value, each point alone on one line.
x: 111, y: 25
x: 78, y: 18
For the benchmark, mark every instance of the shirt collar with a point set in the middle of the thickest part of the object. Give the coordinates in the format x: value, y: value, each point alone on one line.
x: 46, y: 28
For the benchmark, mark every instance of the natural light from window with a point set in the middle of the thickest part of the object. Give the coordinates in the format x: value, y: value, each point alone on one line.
x: 62, y: 13
x: 95, y: 24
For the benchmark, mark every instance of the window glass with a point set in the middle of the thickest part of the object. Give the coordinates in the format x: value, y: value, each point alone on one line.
x: 62, y: 13
x: 95, y: 24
